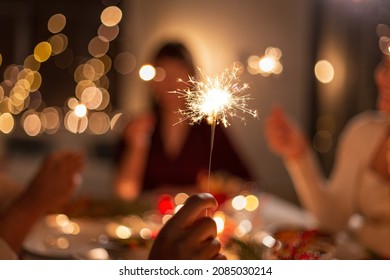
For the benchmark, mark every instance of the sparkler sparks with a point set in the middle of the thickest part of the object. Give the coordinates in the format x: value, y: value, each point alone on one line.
x: 215, y: 99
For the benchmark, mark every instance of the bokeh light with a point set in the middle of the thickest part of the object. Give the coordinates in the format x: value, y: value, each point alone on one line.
x: 268, y: 241
x: 180, y: 198
x: 243, y: 228
x: 111, y: 16
x: 160, y: 74
x: 5, y: 105
x: 145, y: 233
x: 6, y: 85
x: 99, y: 123
x: 71, y: 228
x: 51, y: 119
x: 32, y: 124
x: 219, y: 218
x: 147, y: 72
x: 252, y: 203
x: 98, y: 254
x: 82, y: 85
x: 74, y: 123
x: 11, y: 73
x: 19, y: 91
x: 91, y: 97
x: 324, y: 71
x: 7, y: 123
x: 98, y: 68
x: 239, y: 202
x: 42, y: 51
x: 97, y: 47
x: 107, y: 61
x: 118, y: 121
x: 165, y: 204
x: 124, y: 63
x: 37, y: 80
x: 62, y: 243
x: 323, y: 141
x: 105, y: 101
x: 80, y: 110
x: 108, y: 33
x: 123, y: 232
x: 267, y: 64
x: 62, y: 220
x: 103, y: 82
x: 31, y: 63
x: 58, y: 43
x: 56, y: 23
x: 1, y: 93
x: 87, y: 72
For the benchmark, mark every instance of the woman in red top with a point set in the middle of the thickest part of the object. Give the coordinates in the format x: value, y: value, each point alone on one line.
x: 155, y: 153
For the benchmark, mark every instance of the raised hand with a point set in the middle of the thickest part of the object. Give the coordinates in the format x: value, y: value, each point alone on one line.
x: 283, y: 137
x: 57, y: 179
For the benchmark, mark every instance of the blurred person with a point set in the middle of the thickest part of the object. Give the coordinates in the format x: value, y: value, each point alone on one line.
x: 160, y: 152
x: 52, y: 186
x: 358, y: 188
x: 189, y: 234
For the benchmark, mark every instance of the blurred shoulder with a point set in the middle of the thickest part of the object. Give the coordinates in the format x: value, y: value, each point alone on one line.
x: 367, y: 123
x: 367, y: 120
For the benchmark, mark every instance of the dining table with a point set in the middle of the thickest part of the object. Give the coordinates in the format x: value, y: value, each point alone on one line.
x: 250, y: 225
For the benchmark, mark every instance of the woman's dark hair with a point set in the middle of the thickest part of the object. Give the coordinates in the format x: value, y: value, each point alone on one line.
x: 176, y: 51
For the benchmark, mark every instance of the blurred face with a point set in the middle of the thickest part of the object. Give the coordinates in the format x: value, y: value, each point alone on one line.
x: 174, y: 69
x: 382, y: 77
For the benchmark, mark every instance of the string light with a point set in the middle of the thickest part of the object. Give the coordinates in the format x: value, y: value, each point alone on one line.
x: 20, y: 89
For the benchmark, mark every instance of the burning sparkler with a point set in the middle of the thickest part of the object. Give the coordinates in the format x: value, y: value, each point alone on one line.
x: 215, y: 99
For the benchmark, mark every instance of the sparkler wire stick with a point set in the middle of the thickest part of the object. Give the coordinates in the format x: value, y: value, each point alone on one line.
x: 211, y: 152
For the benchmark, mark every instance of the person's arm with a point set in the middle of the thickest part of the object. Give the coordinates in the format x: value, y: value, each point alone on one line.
x: 189, y: 234
x: 53, y: 185
x: 330, y: 201
x: 128, y: 182
x: 19, y: 219
x: 133, y: 158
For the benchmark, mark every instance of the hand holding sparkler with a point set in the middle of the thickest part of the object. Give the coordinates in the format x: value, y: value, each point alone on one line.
x: 188, y: 234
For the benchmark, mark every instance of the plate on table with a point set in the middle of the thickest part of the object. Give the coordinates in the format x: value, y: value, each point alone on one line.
x: 55, y: 242
x: 300, y: 244
x: 107, y: 253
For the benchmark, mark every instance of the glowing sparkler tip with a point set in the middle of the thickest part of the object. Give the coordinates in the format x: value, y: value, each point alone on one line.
x: 215, y: 98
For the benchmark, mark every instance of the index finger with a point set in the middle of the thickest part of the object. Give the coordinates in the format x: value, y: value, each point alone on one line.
x: 193, y: 208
